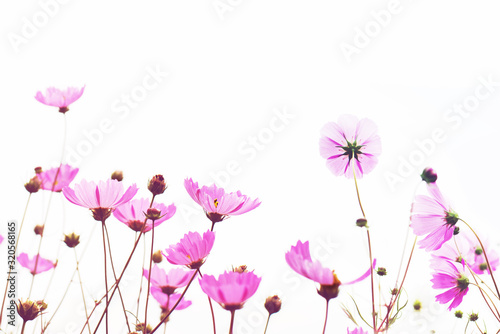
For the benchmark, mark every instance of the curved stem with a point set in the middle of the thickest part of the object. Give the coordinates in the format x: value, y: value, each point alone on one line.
x: 232, y: 322
x: 326, y: 317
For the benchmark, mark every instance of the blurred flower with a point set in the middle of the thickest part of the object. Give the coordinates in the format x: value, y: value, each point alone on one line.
x: 192, y: 250
x: 168, y: 301
x: 432, y: 216
x: 64, y: 177
x: 299, y: 259
x: 218, y: 204
x: 168, y: 283
x: 43, y: 264
x: 117, y: 175
x: 101, y: 198
x: 451, y: 276
x: 1, y: 239
x: 60, y: 98
x: 231, y: 290
x: 357, y: 331
x: 157, y: 257
x: 29, y: 310
x: 350, y: 141
x: 132, y: 214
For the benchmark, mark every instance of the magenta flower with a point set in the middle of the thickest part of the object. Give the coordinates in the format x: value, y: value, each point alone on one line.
x: 232, y: 289
x: 350, y: 141
x: 357, y: 331
x: 168, y: 283
x: 43, y: 264
x: 191, y: 251
x: 299, y: 259
x: 218, y: 204
x: 101, y: 198
x: 432, y: 216
x: 450, y: 276
x: 167, y: 301
x: 132, y: 214
x: 64, y: 177
x: 60, y: 98
x: 1, y: 239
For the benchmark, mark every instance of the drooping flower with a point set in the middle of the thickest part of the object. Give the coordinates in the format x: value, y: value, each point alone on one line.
x: 101, y: 198
x: 60, y: 98
x: 168, y: 301
x: 232, y: 289
x: 350, y: 142
x: 30, y: 263
x: 451, y: 276
x: 299, y: 259
x: 432, y: 216
x: 358, y: 330
x: 132, y: 214
x: 168, y: 283
x: 65, y: 175
x: 217, y: 203
x: 191, y: 251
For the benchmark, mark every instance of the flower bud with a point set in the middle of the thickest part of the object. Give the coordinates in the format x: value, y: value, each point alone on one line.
x: 157, y: 185
x: 459, y: 314
x: 417, y: 305
x: 39, y: 230
x: 41, y: 305
x: 394, y: 292
x: 153, y: 214
x: 140, y: 328
x: 157, y: 257
x: 273, y: 304
x: 28, y: 310
x: 456, y: 230
x: 241, y: 269
x: 38, y: 170
x: 473, y: 317
x: 117, y: 175
x: 429, y: 175
x: 361, y: 222
x: 381, y: 271
x: 71, y: 240
x: 478, y: 251
x: 33, y: 185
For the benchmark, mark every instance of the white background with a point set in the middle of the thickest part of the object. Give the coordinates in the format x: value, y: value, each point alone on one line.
x: 227, y: 68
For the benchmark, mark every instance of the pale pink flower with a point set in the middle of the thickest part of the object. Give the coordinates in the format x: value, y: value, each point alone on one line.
x: 432, y: 216
x: 167, y: 301
x: 100, y: 198
x: 168, y: 283
x: 132, y: 214
x: 65, y: 175
x: 232, y: 289
x: 357, y: 331
x: 191, y: 251
x: 59, y: 98
x: 29, y: 263
x: 451, y: 276
x: 299, y: 259
x: 218, y: 204
x: 478, y: 261
x: 350, y: 142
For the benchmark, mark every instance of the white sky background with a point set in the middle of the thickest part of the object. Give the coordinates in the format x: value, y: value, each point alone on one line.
x: 224, y: 78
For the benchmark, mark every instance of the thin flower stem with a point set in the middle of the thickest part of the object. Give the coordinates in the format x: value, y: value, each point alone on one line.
x: 369, y: 251
x: 149, y: 273
x: 105, y: 274
x: 15, y: 254
x: 24, y: 325
x: 326, y: 317
x: 81, y: 287
x: 232, y: 322
x: 211, y: 307
x: 142, y: 277
x: 485, y: 256
x: 114, y: 275
x: 267, y: 323
x: 178, y: 301
x: 124, y: 268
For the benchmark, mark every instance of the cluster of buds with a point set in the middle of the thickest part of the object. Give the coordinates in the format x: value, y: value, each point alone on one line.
x: 29, y: 310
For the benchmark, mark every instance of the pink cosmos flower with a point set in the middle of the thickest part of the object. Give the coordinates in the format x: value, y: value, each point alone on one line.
x: 60, y: 98
x: 478, y: 261
x: 64, y: 177
x: 168, y: 283
x: 191, y: 251
x: 232, y: 289
x: 451, y: 276
x: 357, y: 331
x: 132, y: 214
x: 432, y: 216
x: 218, y: 204
x: 350, y: 141
x: 1, y: 239
x: 43, y: 264
x: 168, y: 301
x: 100, y: 198
x: 299, y: 259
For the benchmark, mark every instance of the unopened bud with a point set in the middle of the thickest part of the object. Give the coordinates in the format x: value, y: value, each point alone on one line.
x: 429, y: 175
x: 456, y: 230
x: 71, y: 240
x: 473, y: 317
x: 417, y: 305
x: 153, y: 214
x: 459, y: 314
x: 28, y: 310
x: 273, y: 304
x: 140, y: 328
x: 157, y: 185
x: 117, y: 175
x: 381, y: 271
x: 33, y: 185
x: 39, y: 230
x: 38, y: 170
x: 361, y: 222
x: 157, y: 257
